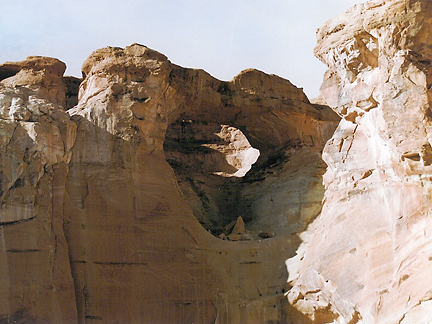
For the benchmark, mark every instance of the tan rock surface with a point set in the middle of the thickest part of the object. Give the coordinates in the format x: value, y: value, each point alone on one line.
x: 36, y: 137
x: 43, y: 74
x: 106, y: 230
x: 134, y: 221
x: 366, y: 259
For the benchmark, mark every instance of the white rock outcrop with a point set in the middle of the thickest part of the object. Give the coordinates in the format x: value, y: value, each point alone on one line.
x: 367, y: 258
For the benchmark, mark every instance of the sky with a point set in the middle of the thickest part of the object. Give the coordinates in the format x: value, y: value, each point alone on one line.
x: 222, y: 37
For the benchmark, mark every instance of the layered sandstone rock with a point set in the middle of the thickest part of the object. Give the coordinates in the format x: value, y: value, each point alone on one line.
x: 97, y: 226
x: 37, y: 136
x: 137, y: 238
x: 366, y: 259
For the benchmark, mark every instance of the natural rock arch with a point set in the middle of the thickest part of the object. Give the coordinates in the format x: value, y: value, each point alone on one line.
x: 144, y: 94
x: 113, y: 237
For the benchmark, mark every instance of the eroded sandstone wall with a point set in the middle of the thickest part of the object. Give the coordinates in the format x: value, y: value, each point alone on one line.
x: 367, y: 258
x: 37, y: 137
x: 97, y: 226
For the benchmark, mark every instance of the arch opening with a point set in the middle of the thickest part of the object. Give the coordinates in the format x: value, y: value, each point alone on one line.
x: 209, y: 147
x: 210, y: 159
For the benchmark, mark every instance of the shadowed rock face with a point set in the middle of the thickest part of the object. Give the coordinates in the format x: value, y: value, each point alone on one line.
x: 109, y: 231
x: 365, y: 258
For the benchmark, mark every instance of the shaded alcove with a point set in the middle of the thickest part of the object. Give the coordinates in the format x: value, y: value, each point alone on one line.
x: 280, y: 194
x: 278, y: 197
x: 209, y: 160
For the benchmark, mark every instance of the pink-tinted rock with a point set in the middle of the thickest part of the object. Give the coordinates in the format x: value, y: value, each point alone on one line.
x: 366, y: 258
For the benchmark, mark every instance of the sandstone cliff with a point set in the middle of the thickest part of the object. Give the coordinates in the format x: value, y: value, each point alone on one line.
x: 134, y: 205
x: 367, y: 258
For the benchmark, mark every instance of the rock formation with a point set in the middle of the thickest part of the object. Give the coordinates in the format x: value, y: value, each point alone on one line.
x: 37, y: 137
x: 367, y: 257
x: 112, y: 209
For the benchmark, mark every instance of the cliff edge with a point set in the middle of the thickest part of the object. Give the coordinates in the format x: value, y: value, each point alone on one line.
x: 365, y: 259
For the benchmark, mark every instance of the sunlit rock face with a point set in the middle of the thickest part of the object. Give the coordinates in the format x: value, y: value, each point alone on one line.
x: 367, y: 257
x: 36, y: 139
x: 42, y: 74
x: 159, y: 223
x: 163, y: 196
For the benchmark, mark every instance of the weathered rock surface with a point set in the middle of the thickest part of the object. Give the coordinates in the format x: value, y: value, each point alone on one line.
x: 97, y: 226
x: 43, y: 74
x: 37, y: 136
x: 135, y: 96
x: 367, y: 258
